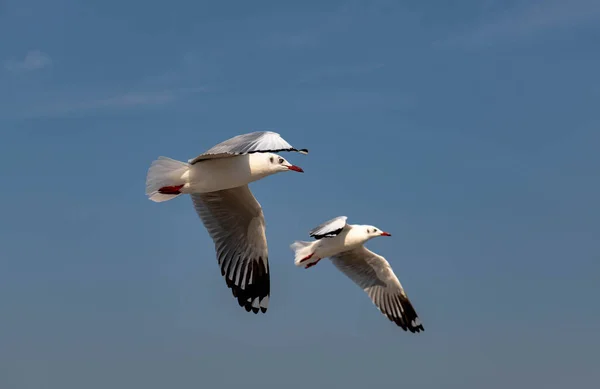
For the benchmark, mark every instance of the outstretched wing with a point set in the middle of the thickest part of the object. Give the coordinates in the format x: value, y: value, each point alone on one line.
x: 235, y: 222
x: 254, y: 142
x: 330, y: 228
x: 375, y: 276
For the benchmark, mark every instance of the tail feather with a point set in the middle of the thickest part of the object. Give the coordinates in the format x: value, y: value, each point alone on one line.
x: 164, y: 181
x: 302, y: 250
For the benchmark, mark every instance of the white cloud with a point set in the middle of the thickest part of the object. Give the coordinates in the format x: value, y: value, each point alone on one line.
x: 529, y: 20
x: 40, y: 98
x: 119, y: 101
x: 133, y: 99
x: 33, y: 60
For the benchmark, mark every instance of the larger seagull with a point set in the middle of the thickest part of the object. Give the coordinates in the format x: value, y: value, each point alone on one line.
x: 217, y: 182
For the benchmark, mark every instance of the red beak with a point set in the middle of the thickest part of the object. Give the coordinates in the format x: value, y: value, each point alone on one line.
x: 296, y: 168
x: 386, y: 234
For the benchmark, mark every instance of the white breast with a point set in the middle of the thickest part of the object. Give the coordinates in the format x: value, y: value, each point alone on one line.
x: 348, y: 239
x: 221, y: 173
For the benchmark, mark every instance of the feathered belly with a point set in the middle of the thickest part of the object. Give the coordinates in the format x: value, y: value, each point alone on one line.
x: 218, y: 174
x: 347, y: 240
x: 331, y: 246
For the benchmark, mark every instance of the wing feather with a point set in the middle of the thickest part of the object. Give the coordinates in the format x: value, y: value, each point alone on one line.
x: 235, y: 222
x: 330, y: 228
x: 254, y: 142
x: 375, y: 276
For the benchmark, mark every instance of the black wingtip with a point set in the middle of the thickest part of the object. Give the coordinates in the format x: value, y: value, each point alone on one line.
x: 410, y: 320
x: 303, y: 151
x: 258, y: 286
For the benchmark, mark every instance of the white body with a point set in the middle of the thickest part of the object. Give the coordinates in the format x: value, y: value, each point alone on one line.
x: 223, y: 173
x: 211, y: 175
x: 351, y: 237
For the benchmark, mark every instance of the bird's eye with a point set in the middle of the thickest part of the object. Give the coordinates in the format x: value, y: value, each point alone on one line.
x: 280, y: 160
x: 271, y: 159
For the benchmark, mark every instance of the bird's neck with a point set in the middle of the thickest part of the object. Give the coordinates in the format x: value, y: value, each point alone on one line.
x: 357, y: 235
x: 259, y: 166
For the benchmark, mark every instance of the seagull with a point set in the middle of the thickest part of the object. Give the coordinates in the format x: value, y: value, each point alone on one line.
x: 217, y: 181
x: 344, y: 244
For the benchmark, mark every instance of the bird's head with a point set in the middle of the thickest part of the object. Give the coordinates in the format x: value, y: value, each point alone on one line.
x: 277, y: 163
x: 372, y: 232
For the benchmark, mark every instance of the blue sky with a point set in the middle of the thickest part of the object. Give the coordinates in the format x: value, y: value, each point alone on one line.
x: 470, y: 132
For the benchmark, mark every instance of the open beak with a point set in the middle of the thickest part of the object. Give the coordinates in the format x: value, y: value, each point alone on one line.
x: 296, y: 168
x: 386, y: 234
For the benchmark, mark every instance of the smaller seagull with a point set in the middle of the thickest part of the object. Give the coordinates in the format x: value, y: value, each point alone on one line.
x: 343, y: 244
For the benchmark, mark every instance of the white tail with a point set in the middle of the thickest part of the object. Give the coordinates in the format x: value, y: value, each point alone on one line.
x: 165, y: 173
x: 302, y: 250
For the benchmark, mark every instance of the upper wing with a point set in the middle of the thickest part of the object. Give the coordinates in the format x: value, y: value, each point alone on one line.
x: 254, y: 142
x: 375, y: 275
x: 235, y: 222
x: 330, y: 228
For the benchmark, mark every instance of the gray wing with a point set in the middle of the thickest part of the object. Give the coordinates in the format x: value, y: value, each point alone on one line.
x: 375, y: 276
x: 235, y: 222
x: 254, y: 142
x: 330, y: 228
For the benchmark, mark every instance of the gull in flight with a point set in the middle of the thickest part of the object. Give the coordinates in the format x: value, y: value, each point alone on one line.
x: 344, y: 244
x: 217, y: 181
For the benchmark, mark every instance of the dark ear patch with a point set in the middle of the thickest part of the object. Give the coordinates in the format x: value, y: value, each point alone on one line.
x: 271, y: 159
